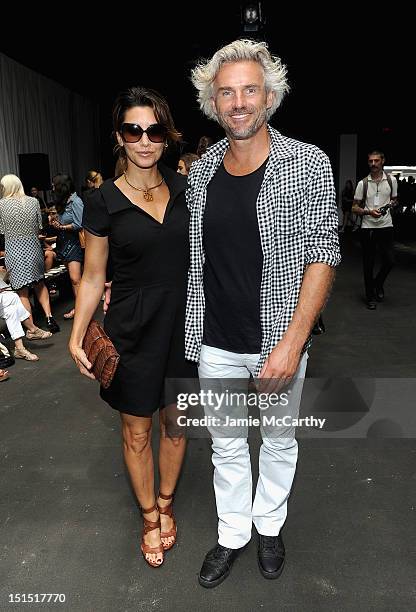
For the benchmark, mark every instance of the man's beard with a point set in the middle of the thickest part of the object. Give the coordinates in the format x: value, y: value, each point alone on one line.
x: 243, y: 132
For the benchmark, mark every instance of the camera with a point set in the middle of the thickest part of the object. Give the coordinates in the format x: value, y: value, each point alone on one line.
x: 383, y: 209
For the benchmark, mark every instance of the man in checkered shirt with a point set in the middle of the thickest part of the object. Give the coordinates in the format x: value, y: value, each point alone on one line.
x: 264, y: 245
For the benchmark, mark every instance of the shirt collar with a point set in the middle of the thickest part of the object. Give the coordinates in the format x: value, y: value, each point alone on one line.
x: 384, y: 176
x: 280, y: 147
x: 175, y: 181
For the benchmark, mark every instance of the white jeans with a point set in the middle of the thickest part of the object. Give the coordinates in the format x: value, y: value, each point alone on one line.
x: 231, y: 457
x: 13, y: 311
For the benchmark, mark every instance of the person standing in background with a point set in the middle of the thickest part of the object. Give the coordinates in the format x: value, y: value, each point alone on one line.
x: 185, y: 162
x: 203, y: 144
x: 373, y: 198
x: 347, y: 198
x: 67, y: 222
x: 21, y: 223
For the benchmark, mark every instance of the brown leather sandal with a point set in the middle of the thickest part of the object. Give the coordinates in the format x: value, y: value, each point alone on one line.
x: 168, y: 510
x: 149, y: 526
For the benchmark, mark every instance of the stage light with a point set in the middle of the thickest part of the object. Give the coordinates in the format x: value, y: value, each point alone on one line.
x: 251, y: 16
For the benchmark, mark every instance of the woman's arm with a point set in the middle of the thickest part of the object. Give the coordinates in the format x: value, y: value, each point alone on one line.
x: 39, y: 218
x: 76, y: 224
x: 77, y: 210
x: 89, y: 296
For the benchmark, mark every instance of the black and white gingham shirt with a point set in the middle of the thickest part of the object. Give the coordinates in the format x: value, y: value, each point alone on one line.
x: 298, y: 223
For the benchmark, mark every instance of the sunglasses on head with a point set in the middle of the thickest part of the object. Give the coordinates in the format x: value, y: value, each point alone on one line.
x: 132, y: 132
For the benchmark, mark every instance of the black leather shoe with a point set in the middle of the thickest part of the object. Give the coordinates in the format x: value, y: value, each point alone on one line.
x: 52, y: 325
x: 271, y: 556
x: 217, y: 565
x: 371, y: 305
x: 6, y: 361
x: 379, y: 294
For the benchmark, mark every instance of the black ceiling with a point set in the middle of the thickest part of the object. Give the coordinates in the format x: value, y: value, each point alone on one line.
x: 347, y: 72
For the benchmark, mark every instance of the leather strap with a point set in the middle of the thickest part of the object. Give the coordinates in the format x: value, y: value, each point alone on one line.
x: 166, y: 497
x: 152, y: 509
x: 166, y: 510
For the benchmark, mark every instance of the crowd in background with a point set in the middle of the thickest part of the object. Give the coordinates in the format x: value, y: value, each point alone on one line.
x: 37, y: 235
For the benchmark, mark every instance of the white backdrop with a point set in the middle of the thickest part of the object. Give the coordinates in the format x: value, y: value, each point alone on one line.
x: 37, y: 115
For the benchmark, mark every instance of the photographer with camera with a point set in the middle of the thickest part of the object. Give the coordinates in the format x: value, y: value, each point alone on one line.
x: 373, y: 198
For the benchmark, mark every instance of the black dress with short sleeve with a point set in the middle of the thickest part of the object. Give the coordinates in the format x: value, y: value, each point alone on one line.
x: 146, y: 315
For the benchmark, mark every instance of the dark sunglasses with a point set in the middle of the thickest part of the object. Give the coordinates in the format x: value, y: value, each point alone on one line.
x: 132, y: 132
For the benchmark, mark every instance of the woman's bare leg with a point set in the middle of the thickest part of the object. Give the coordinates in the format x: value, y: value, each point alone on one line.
x: 23, y: 294
x: 50, y: 258
x: 137, y: 435
x: 74, y: 271
x: 24, y: 298
x: 171, y: 454
x: 42, y: 294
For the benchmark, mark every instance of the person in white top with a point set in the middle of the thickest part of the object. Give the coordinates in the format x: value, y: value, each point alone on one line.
x: 373, y: 198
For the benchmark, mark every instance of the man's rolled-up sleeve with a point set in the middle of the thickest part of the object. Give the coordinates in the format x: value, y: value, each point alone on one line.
x: 322, y: 244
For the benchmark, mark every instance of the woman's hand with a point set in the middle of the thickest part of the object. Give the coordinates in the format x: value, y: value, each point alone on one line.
x: 55, y: 223
x: 81, y: 361
x: 107, y: 296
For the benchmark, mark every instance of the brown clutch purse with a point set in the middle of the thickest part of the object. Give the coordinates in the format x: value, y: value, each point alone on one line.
x: 101, y: 353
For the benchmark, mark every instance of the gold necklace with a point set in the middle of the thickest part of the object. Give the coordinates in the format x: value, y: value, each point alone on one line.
x: 146, y: 192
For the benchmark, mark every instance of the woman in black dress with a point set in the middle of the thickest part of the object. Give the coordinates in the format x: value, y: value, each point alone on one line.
x: 141, y: 218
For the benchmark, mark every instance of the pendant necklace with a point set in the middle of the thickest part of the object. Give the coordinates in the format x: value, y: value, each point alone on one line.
x: 146, y: 192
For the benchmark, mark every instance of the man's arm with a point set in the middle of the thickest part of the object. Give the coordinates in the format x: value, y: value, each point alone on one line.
x: 321, y: 256
x: 316, y: 286
x: 359, y: 205
x: 283, y: 361
x: 358, y: 208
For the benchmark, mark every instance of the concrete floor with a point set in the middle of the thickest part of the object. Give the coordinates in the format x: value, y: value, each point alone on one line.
x: 69, y: 523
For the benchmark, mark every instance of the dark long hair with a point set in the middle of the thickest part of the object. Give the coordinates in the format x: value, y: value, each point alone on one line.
x: 64, y: 186
x: 203, y: 144
x: 141, y: 96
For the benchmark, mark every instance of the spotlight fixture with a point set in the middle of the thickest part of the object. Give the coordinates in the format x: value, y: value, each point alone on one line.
x: 251, y: 16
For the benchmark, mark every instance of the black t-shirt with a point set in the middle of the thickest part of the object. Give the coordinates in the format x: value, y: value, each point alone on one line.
x: 233, y: 262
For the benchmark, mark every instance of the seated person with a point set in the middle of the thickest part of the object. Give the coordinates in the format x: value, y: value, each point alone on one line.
x: 14, y: 313
x: 34, y: 192
x: 48, y: 239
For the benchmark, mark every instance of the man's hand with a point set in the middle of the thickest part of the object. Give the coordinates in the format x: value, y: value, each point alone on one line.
x: 279, y: 367
x: 107, y: 296
x: 375, y: 213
